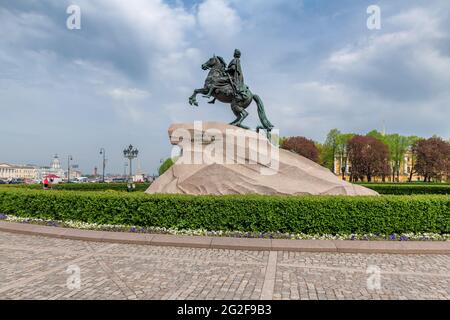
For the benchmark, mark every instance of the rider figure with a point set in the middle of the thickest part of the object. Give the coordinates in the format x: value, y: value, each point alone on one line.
x: 235, y: 71
x: 236, y: 78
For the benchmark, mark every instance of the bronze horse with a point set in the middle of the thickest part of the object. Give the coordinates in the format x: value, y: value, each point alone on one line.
x: 219, y: 85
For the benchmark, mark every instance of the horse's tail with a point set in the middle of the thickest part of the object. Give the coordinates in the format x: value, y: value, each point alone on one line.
x: 262, y: 113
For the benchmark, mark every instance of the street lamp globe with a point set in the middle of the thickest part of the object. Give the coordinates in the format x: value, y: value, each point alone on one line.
x: 130, y: 153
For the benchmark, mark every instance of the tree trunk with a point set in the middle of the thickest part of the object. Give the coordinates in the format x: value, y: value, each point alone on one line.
x: 411, y: 173
x: 334, y: 160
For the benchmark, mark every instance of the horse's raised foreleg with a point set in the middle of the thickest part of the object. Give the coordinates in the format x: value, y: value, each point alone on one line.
x: 209, y: 93
x: 193, y: 98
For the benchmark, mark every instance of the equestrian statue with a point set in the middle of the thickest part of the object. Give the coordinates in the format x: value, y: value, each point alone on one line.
x: 226, y: 84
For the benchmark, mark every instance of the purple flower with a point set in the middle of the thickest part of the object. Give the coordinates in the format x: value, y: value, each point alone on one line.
x: 392, y: 237
x: 52, y: 224
x: 3, y: 216
x: 353, y: 237
x: 403, y: 238
x: 133, y: 229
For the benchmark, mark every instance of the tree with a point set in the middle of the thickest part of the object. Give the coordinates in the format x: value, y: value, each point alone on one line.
x: 412, y: 142
x: 281, y: 140
x: 432, y: 158
x: 377, y: 135
x: 342, y: 152
x: 330, y: 149
x: 165, y: 166
x: 398, y: 146
x: 321, y: 148
x: 385, y: 139
x: 368, y: 157
x: 303, y: 147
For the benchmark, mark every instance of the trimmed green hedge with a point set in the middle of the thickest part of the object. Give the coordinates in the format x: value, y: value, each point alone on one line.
x: 382, y: 188
x: 408, y: 188
x: 296, y: 214
x: 82, y: 186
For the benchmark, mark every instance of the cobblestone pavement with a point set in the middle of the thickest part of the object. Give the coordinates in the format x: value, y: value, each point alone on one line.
x: 34, y: 267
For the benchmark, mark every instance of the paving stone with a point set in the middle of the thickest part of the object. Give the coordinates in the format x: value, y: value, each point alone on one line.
x: 36, y: 267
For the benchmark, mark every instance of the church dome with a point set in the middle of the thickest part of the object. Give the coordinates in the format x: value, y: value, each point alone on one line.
x: 55, y: 163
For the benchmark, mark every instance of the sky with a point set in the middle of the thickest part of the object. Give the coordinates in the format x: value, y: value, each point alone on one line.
x: 126, y: 75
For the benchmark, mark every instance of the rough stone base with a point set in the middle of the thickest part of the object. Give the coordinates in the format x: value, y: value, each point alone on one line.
x: 220, y: 159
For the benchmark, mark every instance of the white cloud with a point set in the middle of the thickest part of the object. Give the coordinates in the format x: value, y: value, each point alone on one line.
x: 322, y: 94
x: 128, y: 94
x: 155, y: 23
x: 177, y: 66
x: 129, y: 103
x: 419, y: 22
x: 30, y: 25
x: 403, y: 63
x: 218, y: 19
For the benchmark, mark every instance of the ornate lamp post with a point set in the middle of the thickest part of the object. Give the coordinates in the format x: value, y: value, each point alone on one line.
x: 69, y: 158
x: 125, y: 165
x: 130, y: 153
x: 103, y: 153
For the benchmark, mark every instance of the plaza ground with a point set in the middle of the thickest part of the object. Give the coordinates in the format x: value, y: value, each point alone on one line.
x: 35, y: 267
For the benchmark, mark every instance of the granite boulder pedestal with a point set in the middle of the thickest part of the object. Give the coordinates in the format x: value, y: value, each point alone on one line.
x: 220, y: 159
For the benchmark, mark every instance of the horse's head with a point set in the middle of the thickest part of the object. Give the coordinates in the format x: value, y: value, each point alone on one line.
x: 214, y: 62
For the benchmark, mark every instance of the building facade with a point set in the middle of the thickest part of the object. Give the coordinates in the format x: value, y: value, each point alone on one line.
x: 406, y: 166
x: 30, y: 172
x: 12, y: 171
x: 53, y: 169
x: 74, y: 174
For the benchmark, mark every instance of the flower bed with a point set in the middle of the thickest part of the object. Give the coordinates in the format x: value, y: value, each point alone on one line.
x: 232, y: 234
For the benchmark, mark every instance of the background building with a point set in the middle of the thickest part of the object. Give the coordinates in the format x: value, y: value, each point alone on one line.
x: 12, y: 171
x: 74, y: 174
x: 54, y: 168
x: 405, y: 175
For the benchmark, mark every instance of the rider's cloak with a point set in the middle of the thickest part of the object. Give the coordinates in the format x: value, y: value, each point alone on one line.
x: 235, y: 71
